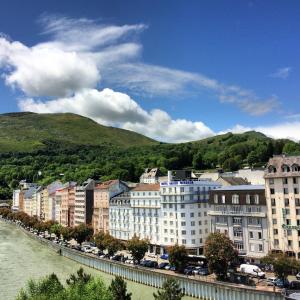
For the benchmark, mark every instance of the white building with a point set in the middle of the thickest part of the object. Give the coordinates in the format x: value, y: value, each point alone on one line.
x: 240, y: 212
x: 120, y: 216
x: 283, y: 201
x: 150, y: 176
x: 16, y: 200
x: 184, y: 213
x: 146, y: 213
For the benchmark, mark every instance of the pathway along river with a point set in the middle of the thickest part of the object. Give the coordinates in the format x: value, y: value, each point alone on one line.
x: 22, y: 258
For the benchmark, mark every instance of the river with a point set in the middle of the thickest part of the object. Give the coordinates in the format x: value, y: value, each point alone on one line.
x: 22, y: 258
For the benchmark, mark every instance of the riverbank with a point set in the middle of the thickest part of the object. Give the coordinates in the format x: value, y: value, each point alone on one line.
x: 22, y: 258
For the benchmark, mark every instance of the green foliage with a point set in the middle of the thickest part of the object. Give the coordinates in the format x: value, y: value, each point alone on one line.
x: 56, y: 229
x: 282, y: 264
x: 170, y: 291
x: 118, y: 289
x: 137, y: 248
x: 178, y: 257
x: 220, y: 252
x: 80, y: 278
x: 82, y: 233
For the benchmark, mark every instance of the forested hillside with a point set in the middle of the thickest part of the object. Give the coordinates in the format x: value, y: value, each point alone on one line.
x: 68, y: 151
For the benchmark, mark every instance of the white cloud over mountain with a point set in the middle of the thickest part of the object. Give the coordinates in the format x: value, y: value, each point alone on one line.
x: 62, y: 75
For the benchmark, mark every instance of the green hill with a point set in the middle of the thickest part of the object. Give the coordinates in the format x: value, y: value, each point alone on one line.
x: 29, y: 131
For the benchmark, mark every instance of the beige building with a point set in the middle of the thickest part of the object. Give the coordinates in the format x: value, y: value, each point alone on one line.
x: 67, y: 204
x: 102, y: 194
x: 282, y: 182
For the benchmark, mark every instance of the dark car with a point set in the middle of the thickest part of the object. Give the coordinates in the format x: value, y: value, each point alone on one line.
x: 188, y: 270
x: 117, y: 257
x: 162, y: 265
x: 203, y: 272
x: 282, y: 283
x: 298, y: 276
x: 144, y: 262
x: 164, y: 256
x: 294, y: 285
x: 173, y: 268
x: 151, y: 264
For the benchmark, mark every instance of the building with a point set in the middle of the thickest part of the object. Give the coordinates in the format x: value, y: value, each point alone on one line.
x: 231, y: 180
x: 18, y: 195
x: 240, y: 212
x: 184, y: 213
x: 66, y: 194
x: 120, y: 216
x: 29, y: 201
x: 282, y: 177
x: 150, y: 176
x: 146, y: 214
x: 103, y: 192
x: 84, y: 202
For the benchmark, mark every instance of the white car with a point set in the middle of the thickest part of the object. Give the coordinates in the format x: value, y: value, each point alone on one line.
x: 86, y: 249
x: 252, y: 270
x: 153, y: 255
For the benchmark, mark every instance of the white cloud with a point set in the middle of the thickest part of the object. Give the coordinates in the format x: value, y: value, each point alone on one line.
x: 285, y: 130
x: 282, y: 73
x: 118, y: 109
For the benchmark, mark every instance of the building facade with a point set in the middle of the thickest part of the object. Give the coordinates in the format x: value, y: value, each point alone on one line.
x: 240, y: 212
x: 84, y: 203
x: 67, y: 204
x: 150, y: 176
x: 120, y: 216
x: 103, y: 192
x: 184, y: 213
x: 282, y: 182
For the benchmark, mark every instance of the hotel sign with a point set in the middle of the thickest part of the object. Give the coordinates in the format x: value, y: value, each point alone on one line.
x: 289, y: 227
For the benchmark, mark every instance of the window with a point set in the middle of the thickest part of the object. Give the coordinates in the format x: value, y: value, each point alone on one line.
x: 288, y: 222
x: 183, y: 232
x: 285, y: 191
x: 260, y: 247
x: 166, y: 230
x: 273, y: 203
x: 172, y: 231
x: 193, y: 232
x: 193, y: 241
x: 256, y: 199
x: 181, y: 189
x: 295, y: 180
x: 205, y: 214
x: 289, y: 232
x: 236, y: 220
x: 284, y: 180
x: 200, y: 223
x: 200, y: 240
x: 183, y: 242
x: 290, y: 243
x: 259, y: 235
x: 192, y: 215
x: 182, y: 215
x: 273, y: 211
x: 182, y: 206
x: 296, y: 191
x: 182, y: 223
x: 193, y: 223
x: 216, y: 199
x: 287, y: 211
x: 199, y: 214
x: 251, y: 234
x: 272, y: 191
x: 298, y: 211
x: 286, y: 202
x: 248, y: 200
x: 297, y: 202
x: 274, y: 221
x: 271, y: 180
x: 166, y: 239
x: 165, y: 213
x: 298, y: 222
x: 200, y: 231
x: 223, y: 200
x: 235, y: 199
x: 275, y: 231
x: 276, y: 242
x: 237, y: 233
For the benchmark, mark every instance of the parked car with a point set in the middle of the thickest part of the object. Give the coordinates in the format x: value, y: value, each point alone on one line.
x: 252, y: 270
x: 162, y: 265
x: 129, y: 261
x: 282, y: 283
x: 188, y: 270
x: 298, y: 276
x: 151, y: 264
x: 144, y: 262
x: 86, y: 249
x: 173, y: 268
x: 153, y: 255
x: 203, y: 272
x: 165, y: 256
x: 117, y: 257
x: 294, y: 285
x: 271, y: 281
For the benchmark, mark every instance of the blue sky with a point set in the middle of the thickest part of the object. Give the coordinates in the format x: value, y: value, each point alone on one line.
x: 173, y: 70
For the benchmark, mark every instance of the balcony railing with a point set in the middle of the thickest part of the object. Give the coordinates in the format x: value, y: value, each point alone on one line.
x: 236, y: 213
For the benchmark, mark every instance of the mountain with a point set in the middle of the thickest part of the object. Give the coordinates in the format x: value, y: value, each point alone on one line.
x: 28, y: 131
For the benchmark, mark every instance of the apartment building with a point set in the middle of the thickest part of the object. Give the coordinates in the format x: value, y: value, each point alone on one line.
x: 146, y: 213
x: 240, y: 212
x: 282, y: 183
x: 120, y: 216
x: 84, y: 202
x: 18, y: 195
x: 29, y: 201
x: 103, y: 192
x: 67, y: 203
x: 184, y: 212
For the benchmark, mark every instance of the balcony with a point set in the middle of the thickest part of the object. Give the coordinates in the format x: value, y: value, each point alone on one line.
x: 237, y: 213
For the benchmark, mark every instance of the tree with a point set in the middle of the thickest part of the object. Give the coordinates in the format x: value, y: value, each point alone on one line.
x: 100, y: 240
x: 56, y: 229
x: 113, y: 245
x: 82, y: 233
x: 220, y: 252
x: 67, y: 233
x: 81, y: 277
x: 178, y: 257
x: 137, y: 248
x: 282, y: 264
x: 118, y: 288
x: 197, y: 161
x: 170, y: 291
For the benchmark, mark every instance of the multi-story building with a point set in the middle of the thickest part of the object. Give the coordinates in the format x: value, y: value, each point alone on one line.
x: 240, y: 212
x: 282, y: 177
x: 29, y: 201
x: 146, y: 214
x: 120, y: 216
x: 67, y: 204
x: 18, y: 195
x: 103, y: 192
x: 184, y: 212
x: 48, y: 201
x: 84, y: 202
x: 150, y: 176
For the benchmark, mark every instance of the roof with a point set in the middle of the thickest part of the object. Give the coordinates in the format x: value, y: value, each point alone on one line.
x: 107, y: 184
x: 147, y: 187
x: 151, y: 173
x: 247, y: 187
x: 278, y: 161
x: 234, y: 180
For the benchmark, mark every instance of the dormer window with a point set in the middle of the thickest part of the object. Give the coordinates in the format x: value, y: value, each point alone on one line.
x: 285, y: 168
x: 235, y: 199
x: 295, y: 168
x: 272, y: 169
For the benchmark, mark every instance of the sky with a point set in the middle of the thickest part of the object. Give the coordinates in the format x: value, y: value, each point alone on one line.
x: 175, y: 71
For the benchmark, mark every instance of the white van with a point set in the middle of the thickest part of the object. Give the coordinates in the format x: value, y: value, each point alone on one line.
x: 252, y: 270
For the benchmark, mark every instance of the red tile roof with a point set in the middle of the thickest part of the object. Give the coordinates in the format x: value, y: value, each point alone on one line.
x: 146, y: 187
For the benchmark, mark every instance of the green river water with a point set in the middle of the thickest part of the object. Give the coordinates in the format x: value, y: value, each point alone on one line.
x: 22, y: 258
